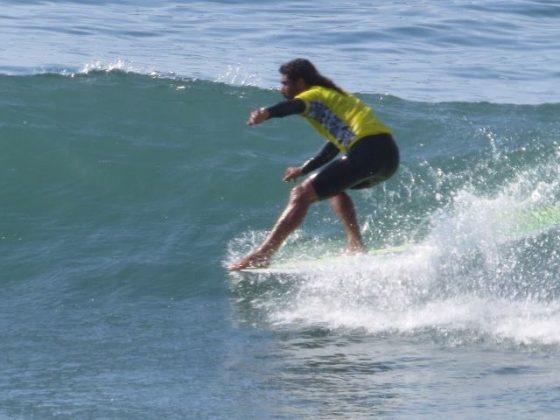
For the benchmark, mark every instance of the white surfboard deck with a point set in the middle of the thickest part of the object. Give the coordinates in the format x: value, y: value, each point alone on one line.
x: 322, y: 263
x: 528, y: 224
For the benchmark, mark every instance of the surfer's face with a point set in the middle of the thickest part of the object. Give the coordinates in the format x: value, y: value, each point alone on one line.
x: 291, y: 88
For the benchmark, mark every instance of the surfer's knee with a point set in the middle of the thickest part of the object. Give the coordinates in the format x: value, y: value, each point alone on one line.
x: 303, y: 194
x: 340, y: 200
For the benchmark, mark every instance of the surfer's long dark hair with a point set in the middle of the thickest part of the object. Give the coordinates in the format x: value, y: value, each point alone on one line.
x: 301, y: 68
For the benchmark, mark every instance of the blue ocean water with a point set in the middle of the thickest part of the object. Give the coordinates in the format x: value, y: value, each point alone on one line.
x: 129, y: 180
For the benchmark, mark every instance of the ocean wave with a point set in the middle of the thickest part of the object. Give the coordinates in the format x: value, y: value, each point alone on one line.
x: 133, y: 172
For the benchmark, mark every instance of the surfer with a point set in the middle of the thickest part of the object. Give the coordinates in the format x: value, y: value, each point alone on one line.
x: 369, y: 155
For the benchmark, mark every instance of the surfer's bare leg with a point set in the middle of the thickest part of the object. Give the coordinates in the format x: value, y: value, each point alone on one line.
x: 344, y: 208
x: 301, y: 197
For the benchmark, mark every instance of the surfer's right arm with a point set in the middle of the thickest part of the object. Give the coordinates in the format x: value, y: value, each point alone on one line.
x: 281, y: 109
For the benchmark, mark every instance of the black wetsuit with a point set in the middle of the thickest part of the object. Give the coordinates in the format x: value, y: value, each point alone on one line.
x: 369, y: 161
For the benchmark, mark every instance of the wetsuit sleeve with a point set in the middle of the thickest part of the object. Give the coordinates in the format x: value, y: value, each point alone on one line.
x: 328, y: 152
x: 285, y: 108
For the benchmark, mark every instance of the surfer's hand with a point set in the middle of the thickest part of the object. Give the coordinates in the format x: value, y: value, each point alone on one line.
x: 258, y: 116
x: 292, y: 173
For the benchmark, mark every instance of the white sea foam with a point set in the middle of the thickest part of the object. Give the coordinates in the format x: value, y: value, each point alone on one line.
x: 466, y: 275
x: 239, y: 75
x: 117, y: 65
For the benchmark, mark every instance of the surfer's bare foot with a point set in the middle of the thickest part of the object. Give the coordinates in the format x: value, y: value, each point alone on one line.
x: 255, y: 260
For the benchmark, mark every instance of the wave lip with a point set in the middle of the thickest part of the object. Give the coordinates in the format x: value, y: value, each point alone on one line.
x: 427, y: 56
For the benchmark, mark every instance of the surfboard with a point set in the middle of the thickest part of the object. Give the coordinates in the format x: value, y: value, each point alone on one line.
x: 536, y: 221
x: 324, y: 262
x: 527, y: 223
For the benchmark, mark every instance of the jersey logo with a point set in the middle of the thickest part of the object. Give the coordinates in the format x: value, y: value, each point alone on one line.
x: 331, y: 122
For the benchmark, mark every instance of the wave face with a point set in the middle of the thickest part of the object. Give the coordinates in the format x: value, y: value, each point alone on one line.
x: 124, y: 194
x: 108, y: 171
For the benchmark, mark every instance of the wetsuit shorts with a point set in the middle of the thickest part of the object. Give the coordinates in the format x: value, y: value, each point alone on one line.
x: 371, y: 160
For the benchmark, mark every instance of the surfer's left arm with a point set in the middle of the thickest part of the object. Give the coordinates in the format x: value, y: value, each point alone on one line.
x: 281, y: 109
x: 327, y: 153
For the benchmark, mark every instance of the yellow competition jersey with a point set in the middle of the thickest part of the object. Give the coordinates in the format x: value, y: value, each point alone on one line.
x: 342, y: 119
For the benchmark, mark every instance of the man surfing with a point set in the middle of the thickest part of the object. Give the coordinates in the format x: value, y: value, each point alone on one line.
x: 369, y: 155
